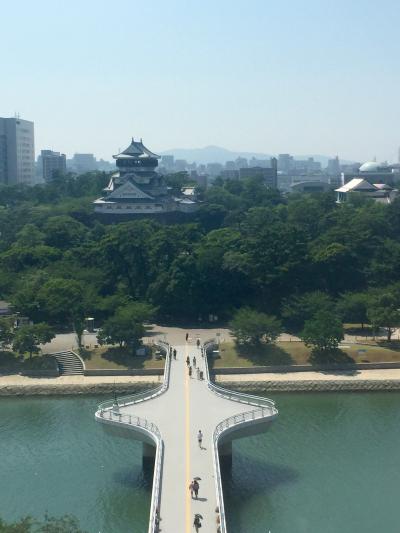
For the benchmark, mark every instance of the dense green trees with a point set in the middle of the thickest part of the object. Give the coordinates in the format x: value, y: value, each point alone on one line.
x: 292, y: 257
x: 252, y: 328
x: 126, y: 325
x: 27, y: 338
x: 323, y: 332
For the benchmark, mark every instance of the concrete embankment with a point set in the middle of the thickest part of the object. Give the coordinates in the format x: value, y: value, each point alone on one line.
x: 16, y: 385
x: 360, y: 380
x: 363, y: 380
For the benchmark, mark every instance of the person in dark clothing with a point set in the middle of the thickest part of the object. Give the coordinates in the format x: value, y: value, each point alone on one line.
x: 197, y: 523
x: 198, y: 343
x: 196, y: 487
x: 187, y: 360
x: 194, y: 362
x: 187, y: 336
x: 190, y: 371
x: 174, y: 352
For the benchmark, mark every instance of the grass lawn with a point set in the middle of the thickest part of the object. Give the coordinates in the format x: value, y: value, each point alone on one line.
x: 118, y: 358
x: 296, y: 353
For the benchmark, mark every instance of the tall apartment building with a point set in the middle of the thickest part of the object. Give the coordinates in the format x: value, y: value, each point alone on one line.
x: 17, y: 151
x: 52, y: 163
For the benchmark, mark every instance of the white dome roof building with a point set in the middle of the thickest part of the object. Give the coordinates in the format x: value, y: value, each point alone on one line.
x: 372, y: 166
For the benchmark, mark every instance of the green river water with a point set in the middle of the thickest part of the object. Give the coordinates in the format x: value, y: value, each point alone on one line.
x: 330, y: 463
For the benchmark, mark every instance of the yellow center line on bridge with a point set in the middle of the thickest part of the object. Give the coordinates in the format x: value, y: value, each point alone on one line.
x: 187, y: 446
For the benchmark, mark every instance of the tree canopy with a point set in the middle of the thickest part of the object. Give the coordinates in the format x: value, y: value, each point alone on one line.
x: 247, y: 246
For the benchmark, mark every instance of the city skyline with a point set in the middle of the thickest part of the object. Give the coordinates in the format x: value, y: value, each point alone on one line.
x: 297, y: 78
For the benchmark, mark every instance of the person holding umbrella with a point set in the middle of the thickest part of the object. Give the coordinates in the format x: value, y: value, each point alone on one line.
x: 197, y: 523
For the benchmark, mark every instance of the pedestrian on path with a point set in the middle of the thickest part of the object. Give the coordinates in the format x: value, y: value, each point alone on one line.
x: 202, y: 352
x: 191, y: 488
x: 194, y: 361
x: 170, y: 351
x: 200, y: 439
x: 190, y: 371
x: 196, y: 523
x: 187, y: 336
x: 196, y: 487
x: 174, y: 352
x: 198, y: 343
x: 198, y: 372
x: 187, y: 360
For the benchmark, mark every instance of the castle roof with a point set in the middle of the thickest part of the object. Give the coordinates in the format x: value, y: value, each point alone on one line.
x: 136, y: 150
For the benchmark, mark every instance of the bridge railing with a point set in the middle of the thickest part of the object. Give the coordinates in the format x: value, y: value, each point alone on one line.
x: 109, y: 411
x: 147, y: 394
x: 264, y: 408
x: 235, y: 396
x: 149, y: 428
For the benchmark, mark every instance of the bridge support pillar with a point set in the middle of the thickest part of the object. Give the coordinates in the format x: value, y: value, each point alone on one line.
x: 149, y: 455
x: 225, y: 455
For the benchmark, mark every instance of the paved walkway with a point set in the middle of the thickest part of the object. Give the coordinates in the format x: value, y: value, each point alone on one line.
x: 187, y: 406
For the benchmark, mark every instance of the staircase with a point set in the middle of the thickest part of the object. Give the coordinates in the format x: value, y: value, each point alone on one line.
x: 69, y: 363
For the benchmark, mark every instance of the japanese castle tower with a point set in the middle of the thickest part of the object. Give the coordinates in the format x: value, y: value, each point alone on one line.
x: 137, y: 189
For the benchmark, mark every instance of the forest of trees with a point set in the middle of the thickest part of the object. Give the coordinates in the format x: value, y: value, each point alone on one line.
x: 290, y: 257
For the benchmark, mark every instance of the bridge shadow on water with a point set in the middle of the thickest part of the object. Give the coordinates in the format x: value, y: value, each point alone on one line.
x: 137, y: 477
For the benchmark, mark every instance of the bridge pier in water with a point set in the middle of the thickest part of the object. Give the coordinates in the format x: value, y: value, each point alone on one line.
x: 225, y: 455
x: 148, y: 456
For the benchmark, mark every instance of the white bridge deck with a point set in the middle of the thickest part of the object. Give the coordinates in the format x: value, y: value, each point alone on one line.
x: 171, y: 421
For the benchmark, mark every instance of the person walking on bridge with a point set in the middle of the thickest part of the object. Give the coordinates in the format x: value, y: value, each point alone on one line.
x: 190, y: 371
x: 188, y: 360
x: 194, y: 361
x: 187, y: 336
x: 198, y: 343
x: 200, y: 439
x: 174, y: 352
x: 191, y: 488
x: 196, y: 487
x: 197, y: 523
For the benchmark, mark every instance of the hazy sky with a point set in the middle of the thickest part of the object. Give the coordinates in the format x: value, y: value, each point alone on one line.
x: 311, y: 76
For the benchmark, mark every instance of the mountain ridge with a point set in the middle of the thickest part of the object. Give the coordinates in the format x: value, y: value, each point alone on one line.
x: 218, y: 154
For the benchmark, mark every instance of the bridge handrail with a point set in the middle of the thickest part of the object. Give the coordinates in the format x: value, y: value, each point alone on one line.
x: 265, y: 407
x: 236, y: 396
x: 147, y: 394
x: 146, y: 426
x: 154, y: 433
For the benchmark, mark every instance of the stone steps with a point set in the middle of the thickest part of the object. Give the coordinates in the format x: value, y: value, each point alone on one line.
x: 69, y: 363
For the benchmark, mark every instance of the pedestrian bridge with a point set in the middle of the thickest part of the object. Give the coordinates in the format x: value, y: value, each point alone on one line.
x: 167, y: 419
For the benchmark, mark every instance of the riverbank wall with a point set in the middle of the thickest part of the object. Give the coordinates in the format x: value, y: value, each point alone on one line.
x: 304, y: 385
x: 48, y: 389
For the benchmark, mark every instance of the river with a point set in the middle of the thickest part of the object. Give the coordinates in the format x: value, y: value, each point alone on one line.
x: 329, y: 464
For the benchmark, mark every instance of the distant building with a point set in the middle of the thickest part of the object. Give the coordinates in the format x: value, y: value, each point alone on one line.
x: 180, y: 165
x: 285, y: 163
x: 82, y: 163
x: 310, y: 186
x: 52, y: 163
x: 17, y: 151
x: 230, y: 165
x: 379, y: 192
x: 269, y: 175
x: 241, y: 162
x: 167, y: 161
x: 136, y: 189
x: 333, y: 167
x: 230, y: 174
x: 214, y: 169
x: 377, y: 172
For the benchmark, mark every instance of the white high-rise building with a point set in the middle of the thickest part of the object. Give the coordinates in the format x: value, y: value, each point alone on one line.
x: 17, y: 151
